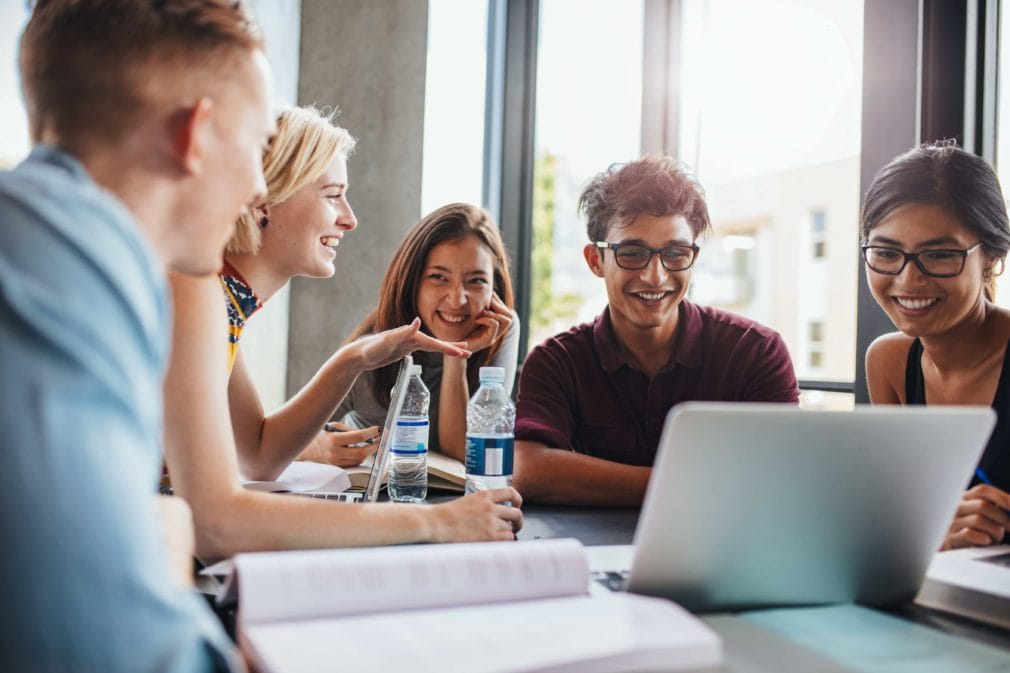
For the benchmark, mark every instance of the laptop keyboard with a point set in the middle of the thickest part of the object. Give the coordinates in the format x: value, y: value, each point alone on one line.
x: 613, y: 580
x: 339, y: 497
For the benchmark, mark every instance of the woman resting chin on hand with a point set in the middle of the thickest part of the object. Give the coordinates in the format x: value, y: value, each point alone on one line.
x: 451, y: 272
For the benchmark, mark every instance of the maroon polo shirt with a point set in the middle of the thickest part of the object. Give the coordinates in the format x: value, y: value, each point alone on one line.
x: 578, y: 392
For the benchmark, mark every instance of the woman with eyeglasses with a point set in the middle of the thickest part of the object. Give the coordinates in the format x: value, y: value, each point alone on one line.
x: 451, y: 272
x: 935, y: 235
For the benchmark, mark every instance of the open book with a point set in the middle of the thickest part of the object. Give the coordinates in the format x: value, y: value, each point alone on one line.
x: 479, y: 607
x: 306, y: 478
x: 443, y: 472
x: 972, y: 582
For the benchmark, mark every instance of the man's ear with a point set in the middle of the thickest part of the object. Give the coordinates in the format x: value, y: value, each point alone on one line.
x: 594, y: 258
x: 191, y: 136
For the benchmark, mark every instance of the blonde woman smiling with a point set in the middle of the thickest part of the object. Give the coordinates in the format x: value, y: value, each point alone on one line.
x: 215, y: 422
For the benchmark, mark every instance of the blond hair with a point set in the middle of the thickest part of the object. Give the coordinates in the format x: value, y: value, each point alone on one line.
x: 306, y: 143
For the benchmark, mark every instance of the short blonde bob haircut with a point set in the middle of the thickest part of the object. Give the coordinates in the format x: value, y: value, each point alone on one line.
x: 306, y: 143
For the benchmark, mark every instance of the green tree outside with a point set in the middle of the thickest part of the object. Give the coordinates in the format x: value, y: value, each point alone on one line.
x: 546, y: 310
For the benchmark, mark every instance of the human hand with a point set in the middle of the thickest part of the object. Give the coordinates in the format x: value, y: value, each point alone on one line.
x: 377, y: 350
x: 341, y: 445
x: 491, y: 325
x: 479, y: 517
x: 175, y: 523
x: 981, y: 519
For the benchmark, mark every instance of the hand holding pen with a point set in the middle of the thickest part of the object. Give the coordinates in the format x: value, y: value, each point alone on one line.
x: 982, y: 516
x: 342, y: 445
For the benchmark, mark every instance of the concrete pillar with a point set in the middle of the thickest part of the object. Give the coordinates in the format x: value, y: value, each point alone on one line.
x: 265, y: 341
x: 368, y: 59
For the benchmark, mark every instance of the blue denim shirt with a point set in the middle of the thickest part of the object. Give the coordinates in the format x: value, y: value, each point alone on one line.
x: 84, y: 335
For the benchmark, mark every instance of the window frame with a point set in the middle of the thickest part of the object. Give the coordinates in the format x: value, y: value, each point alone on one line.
x: 929, y: 72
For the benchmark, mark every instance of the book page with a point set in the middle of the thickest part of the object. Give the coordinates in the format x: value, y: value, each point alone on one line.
x: 277, y: 586
x: 447, y: 469
x: 983, y: 569
x: 303, y: 476
x: 443, y: 472
x: 359, y: 475
x: 622, y: 632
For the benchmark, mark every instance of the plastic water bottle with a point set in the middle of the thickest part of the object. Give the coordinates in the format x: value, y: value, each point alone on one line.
x: 408, y: 469
x: 490, y: 423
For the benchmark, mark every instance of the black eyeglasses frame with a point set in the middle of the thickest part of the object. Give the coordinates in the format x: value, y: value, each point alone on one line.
x: 695, y: 249
x: 914, y: 257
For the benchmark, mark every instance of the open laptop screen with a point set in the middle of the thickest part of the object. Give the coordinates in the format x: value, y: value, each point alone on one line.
x: 381, y: 458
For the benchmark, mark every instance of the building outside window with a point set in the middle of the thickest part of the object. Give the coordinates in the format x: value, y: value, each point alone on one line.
x: 772, y: 129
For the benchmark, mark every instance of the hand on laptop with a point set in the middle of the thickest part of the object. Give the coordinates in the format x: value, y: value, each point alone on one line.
x: 982, y: 518
x: 479, y: 517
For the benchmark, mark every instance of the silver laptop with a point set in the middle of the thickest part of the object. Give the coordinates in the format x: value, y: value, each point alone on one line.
x: 381, y: 457
x: 755, y: 505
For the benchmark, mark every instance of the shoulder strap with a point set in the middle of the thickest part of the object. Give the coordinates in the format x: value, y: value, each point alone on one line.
x: 915, y: 385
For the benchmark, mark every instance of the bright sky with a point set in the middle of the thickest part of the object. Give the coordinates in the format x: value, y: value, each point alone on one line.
x: 454, y: 103
x: 769, y: 86
x: 589, y: 81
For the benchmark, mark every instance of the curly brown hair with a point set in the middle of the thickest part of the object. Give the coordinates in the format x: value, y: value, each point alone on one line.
x: 653, y: 185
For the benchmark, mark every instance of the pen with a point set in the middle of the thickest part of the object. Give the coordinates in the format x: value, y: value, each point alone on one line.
x: 371, y: 440
x: 984, y: 478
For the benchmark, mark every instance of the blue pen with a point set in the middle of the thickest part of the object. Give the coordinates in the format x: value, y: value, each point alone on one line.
x: 984, y: 478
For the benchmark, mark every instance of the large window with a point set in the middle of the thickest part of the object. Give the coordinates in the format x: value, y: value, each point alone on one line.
x: 454, y: 99
x: 13, y: 125
x: 770, y: 122
x: 587, y: 117
x: 1003, y: 137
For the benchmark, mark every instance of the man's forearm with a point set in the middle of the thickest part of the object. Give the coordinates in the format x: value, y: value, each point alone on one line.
x: 558, y: 476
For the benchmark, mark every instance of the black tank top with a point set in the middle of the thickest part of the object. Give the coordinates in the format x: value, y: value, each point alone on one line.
x: 996, y: 458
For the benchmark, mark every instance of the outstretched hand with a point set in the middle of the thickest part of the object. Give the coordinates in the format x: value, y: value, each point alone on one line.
x: 491, y: 325
x: 377, y: 350
x: 981, y: 519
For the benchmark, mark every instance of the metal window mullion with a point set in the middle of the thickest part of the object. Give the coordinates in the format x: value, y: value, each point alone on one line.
x: 661, y: 64
x: 510, y: 118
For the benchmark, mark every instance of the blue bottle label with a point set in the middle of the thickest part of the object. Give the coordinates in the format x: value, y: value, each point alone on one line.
x: 489, y: 456
x: 410, y: 437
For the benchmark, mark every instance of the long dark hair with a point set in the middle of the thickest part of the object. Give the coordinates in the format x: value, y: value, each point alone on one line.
x: 942, y: 174
x: 398, y: 292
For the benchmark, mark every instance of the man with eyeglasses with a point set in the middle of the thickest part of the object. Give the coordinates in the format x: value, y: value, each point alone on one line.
x: 592, y: 401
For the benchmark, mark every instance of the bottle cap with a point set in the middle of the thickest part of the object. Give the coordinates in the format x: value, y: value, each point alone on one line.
x: 415, y: 370
x: 492, y: 374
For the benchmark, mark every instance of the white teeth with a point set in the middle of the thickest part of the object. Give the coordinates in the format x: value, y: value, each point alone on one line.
x: 651, y: 296
x: 330, y: 241
x: 915, y: 304
x: 452, y: 319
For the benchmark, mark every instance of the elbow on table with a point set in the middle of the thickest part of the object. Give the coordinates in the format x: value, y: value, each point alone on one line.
x: 259, y: 466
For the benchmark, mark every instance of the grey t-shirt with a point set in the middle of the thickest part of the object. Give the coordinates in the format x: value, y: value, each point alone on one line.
x: 360, y: 409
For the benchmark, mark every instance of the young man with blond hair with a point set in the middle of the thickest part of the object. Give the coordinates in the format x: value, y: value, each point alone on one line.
x: 592, y: 400
x: 149, y: 120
